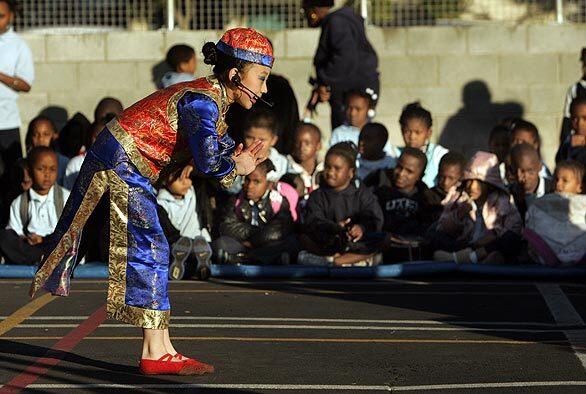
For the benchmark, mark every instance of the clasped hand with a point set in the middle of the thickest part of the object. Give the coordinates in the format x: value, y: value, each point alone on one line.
x: 247, y: 159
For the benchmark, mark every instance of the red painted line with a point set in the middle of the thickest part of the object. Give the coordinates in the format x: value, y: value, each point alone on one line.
x: 55, y: 354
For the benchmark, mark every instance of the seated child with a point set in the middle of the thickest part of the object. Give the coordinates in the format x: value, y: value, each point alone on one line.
x: 569, y: 177
x: 185, y: 232
x: 34, y: 214
x: 373, y: 138
x: 181, y: 59
x: 359, y: 112
x: 304, y: 158
x: 451, y: 168
x: 403, y: 199
x: 480, y: 224
x: 108, y: 107
x: 556, y: 224
x: 342, y: 221
x: 261, y: 125
x: 416, y: 127
x: 257, y: 226
x: 41, y: 132
x: 524, y: 132
x: 574, y: 147
x: 528, y: 184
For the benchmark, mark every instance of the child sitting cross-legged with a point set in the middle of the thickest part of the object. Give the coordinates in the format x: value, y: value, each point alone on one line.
x: 304, y: 159
x: 257, y: 225
x: 528, y: 183
x: 480, y: 224
x: 342, y: 221
x: 451, y: 168
x: 34, y: 214
x: 178, y: 211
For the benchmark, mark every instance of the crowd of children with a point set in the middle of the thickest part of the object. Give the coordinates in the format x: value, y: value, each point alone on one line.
x: 367, y: 202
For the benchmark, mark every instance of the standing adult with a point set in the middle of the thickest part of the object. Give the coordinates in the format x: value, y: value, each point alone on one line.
x: 16, y: 75
x: 150, y: 140
x: 345, y: 60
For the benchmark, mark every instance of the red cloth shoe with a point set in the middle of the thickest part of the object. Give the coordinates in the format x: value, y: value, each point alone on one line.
x: 198, y: 365
x: 166, y: 366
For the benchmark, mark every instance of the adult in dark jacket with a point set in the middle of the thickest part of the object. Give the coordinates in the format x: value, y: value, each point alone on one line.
x: 345, y: 60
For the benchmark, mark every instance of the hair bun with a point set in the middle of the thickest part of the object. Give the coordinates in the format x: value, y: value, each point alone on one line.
x: 210, y: 53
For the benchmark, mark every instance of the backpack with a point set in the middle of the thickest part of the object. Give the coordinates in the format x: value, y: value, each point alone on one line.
x: 25, y: 201
x: 556, y: 229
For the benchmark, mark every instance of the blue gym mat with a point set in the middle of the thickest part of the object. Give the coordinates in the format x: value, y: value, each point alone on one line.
x: 416, y: 268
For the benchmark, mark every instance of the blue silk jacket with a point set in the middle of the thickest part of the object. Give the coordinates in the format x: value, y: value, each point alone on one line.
x: 172, y: 126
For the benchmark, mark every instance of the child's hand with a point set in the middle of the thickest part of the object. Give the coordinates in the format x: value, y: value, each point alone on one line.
x: 344, y: 222
x: 578, y: 140
x: 355, y: 233
x: 34, y: 239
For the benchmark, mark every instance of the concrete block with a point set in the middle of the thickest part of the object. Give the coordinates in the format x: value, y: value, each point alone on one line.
x: 570, y: 67
x: 438, y: 100
x: 457, y: 70
x: 301, y: 42
x: 75, y: 48
x: 36, y: 43
x: 29, y: 106
x: 388, y: 41
x: 145, y: 75
x: 567, y: 38
x: 528, y: 69
x: 194, y: 38
x: 82, y: 101
x: 497, y: 39
x: 51, y: 77
x: 408, y: 71
x: 518, y: 94
x: 279, y: 40
x: 439, y: 40
x: 148, y: 45
x: 107, y: 76
x: 297, y: 71
x: 547, y: 99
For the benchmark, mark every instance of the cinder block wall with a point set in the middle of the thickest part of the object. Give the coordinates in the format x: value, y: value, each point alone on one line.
x: 528, y: 65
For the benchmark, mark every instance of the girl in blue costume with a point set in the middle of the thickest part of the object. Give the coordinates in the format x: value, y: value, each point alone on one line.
x: 152, y: 138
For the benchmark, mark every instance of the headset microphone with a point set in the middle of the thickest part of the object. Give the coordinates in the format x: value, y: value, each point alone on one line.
x: 236, y: 81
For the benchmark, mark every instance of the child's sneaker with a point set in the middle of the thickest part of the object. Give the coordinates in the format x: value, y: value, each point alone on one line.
x: 203, y: 254
x: 180, y: 252
x: 306, y: 258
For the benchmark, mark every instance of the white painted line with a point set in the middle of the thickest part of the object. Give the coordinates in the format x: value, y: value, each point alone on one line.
x: 292, y: 319
x: 560, y: 306
x: 326, y: 387
x: 307, y: 327
x: 564, y: 313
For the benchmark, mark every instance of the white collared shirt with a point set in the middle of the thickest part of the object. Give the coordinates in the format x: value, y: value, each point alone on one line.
x: 366, y: 167
x: 16, y: 60
x: 41, y: 212
x: 183, y: 213
x: 280, y: 163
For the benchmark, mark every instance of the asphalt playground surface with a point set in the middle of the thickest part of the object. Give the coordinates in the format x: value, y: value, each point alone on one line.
x: 448, y: 334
